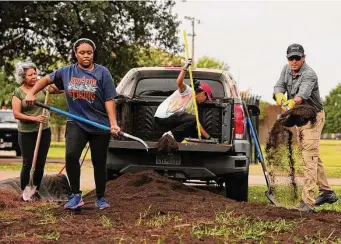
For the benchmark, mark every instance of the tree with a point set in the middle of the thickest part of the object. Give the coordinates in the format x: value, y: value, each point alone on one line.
x: 118, y: 28
x: 7, y: 88
x: 332, y: 107
x: 211, y: 63
x: 58, y: 121
x: 262, y: 108
x: 157, y: 57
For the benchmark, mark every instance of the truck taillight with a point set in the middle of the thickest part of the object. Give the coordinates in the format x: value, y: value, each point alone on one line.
x: 239, y: 123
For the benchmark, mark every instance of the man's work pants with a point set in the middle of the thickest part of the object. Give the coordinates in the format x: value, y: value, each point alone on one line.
x: 309, y: 138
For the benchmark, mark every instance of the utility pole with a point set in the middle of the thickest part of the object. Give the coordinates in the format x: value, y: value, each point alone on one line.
x: 193, y: 21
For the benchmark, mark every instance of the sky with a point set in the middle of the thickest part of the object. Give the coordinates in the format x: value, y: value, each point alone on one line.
x: 252, y: 38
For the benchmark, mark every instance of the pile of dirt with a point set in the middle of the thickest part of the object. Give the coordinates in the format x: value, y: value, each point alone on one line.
x: 149, y: 190
x: 147, y: 207
x: 9, y: 199
x: 167, y: 144
x: 299, y: 116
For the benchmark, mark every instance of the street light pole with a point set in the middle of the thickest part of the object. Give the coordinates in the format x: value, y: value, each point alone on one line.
x: 193, y: 21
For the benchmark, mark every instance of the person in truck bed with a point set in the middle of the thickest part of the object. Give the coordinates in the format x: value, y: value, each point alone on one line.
x: 177, y: 113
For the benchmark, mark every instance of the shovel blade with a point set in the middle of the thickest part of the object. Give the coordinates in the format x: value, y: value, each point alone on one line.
x: 29, y: 192
x: 271, y: 198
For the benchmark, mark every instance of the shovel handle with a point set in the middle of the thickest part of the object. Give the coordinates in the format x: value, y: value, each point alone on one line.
x: 58, y: 111
x: 36, y: 149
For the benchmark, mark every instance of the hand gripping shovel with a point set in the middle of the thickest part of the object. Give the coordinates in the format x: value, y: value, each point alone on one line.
x: 30, y: 189
x: 58, y: 111
x: 268, y: 193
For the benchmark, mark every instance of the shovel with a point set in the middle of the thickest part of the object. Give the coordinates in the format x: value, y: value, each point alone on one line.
x: 30, y: 189
x: 100, y: 126
x: 268, y: 193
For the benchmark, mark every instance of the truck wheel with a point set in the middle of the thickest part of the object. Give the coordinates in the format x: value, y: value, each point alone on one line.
x: 237, y: 186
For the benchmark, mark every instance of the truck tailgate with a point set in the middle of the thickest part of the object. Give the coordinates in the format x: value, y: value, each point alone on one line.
x: 184, y: 147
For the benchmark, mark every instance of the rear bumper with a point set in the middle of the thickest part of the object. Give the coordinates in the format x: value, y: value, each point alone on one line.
x: 9, y: 139
x: 197, y: 161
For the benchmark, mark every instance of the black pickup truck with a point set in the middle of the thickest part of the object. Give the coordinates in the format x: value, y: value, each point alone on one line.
x: 142, y: 90
x: 9, y: 132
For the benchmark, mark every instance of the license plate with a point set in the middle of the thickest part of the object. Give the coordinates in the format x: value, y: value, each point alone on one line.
x: 171, y: 159
x: 6, y: 144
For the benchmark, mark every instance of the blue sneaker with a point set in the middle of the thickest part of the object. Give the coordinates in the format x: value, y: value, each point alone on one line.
x: 102, y: 203
x: 74, y: 202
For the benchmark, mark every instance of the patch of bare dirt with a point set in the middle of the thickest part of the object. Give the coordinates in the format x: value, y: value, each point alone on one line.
x: 8, y: 199
x: 149, y: 207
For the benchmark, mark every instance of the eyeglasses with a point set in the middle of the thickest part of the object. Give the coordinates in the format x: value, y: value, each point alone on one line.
x: 297, y: 58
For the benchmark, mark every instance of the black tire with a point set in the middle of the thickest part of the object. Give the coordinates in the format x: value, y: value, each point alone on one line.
x: 237, y: 187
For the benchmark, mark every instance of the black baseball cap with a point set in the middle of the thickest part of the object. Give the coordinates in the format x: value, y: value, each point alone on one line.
x: 295, y: 50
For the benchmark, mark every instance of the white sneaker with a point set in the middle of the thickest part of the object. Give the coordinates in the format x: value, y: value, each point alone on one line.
x: 168, y: 133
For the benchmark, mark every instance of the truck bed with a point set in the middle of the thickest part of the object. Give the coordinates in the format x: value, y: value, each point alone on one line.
x: 215, y: 118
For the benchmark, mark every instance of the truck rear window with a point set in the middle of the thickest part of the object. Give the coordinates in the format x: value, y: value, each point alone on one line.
x: 166, y: 86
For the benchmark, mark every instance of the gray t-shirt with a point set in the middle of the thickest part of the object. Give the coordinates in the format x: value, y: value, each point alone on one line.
x: 86, y: 93
x: 304, y: 85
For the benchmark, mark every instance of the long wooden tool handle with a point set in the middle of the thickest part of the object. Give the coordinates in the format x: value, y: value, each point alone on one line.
x: 41, y: 126
x: 192, y: 84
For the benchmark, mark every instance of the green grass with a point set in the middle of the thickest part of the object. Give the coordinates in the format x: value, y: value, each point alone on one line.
x: 231, y: 227
x: 49, y: 167
x: 330, y: 154
x: 160, y: 220
x: 106, y: 222
x: 256, y: 194
x: 57, y: 151
x: 53, y: 236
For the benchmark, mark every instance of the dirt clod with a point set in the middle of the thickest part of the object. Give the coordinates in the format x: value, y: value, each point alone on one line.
x: 299, y: 116
x: 167, y: 144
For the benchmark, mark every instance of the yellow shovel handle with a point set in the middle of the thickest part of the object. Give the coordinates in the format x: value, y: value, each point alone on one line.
x: 192, y: 84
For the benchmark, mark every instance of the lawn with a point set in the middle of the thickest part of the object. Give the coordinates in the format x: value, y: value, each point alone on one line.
x: 57, y: 150
x: 256, y: 194
x: 330, y: 153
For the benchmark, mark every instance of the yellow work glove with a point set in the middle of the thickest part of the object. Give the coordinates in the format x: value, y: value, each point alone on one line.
x: 280, y: 98
x: 290, y: 104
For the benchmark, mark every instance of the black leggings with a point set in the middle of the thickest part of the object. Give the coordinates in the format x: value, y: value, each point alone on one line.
x: 181, y: 125
x: 27, y: 143
x: 76, y: 139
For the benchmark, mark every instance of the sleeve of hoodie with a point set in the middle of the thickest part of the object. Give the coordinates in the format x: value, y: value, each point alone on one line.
x: 280, y: 86
x: 308, y: 82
